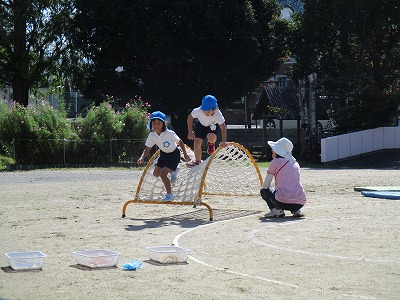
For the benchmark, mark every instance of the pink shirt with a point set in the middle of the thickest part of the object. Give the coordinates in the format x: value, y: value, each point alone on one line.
x: 288, y: 186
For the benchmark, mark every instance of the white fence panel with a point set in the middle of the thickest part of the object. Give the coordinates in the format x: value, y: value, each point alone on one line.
x: 367, y: 141
x: 397, y: 138
x: 344, y: 146
x: 389, y: 138
x: 378, y: 138
x: 356, y: 143
x: 329, y: 149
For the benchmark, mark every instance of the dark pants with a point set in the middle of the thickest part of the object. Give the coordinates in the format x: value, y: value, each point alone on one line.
x: 269, y: 197
x: 201, y: 131
x: 169, y: 160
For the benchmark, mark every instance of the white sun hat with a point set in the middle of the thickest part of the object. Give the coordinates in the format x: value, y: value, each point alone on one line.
x: 283, y: 147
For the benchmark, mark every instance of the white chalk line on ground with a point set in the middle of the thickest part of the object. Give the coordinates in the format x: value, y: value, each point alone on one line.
x: 254, y: 239
x: 176, y: 243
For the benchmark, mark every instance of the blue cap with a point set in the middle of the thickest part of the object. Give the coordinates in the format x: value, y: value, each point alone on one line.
x: 208, y: 102
x: 158, y: 115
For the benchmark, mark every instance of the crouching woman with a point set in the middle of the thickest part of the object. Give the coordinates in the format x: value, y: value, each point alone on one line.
x: 288, y: 193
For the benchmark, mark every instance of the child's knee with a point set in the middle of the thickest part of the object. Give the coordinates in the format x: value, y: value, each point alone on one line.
x: 164, y: 175
x: 198, y: 143
x: 211, y: 137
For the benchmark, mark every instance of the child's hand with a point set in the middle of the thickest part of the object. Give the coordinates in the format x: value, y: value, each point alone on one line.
x: 140, y: 161
x: 223, y: 144
x: 187, y: 157
x: 191, y: 135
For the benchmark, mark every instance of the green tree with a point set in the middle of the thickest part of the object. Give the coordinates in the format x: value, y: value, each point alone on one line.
x: 34, y: 43
x: 174, y: 52
x: 354, y: 48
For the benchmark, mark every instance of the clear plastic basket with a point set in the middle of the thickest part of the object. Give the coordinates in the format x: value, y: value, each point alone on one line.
x: 30, y: 260
x: 168, y: 254
x: 99, y: 258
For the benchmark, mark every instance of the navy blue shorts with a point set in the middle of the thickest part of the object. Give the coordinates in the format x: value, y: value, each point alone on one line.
x: 169, y: 160
x: 201, y: 131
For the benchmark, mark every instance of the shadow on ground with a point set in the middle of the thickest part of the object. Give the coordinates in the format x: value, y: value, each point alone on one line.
x: 385, y: 159
x: 191, y: 219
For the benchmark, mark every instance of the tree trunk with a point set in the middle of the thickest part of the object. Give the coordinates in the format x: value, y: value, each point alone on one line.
x: 312, y: 106
x: 303, y: 108
x: 20, y: 83
x: 309, y: 147
x: 20, y: 89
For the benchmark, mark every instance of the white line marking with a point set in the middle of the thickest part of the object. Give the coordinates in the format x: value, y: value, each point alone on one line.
x: 176, y: 243
x: 257, y: 241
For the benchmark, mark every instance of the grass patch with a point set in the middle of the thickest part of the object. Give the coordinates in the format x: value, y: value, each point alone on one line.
x: 4, y: 160
x: 263, y: 164
x: 303, y: 164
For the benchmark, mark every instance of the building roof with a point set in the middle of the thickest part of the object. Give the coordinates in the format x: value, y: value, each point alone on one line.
x: 277, y: 103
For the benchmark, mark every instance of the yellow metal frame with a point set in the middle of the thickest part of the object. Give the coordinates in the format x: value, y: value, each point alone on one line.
x: 202, y: 184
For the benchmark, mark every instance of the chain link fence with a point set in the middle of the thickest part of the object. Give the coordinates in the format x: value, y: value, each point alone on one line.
x: 77, y: 152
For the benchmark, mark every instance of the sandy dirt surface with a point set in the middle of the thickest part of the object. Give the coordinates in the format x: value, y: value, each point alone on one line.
x: 347, y: 246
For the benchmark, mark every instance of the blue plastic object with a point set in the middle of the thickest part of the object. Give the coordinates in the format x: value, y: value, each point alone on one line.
x: 132, y: 266
x: 395, y: 195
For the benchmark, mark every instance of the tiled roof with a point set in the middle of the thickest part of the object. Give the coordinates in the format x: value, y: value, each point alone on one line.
x: 278, y: 103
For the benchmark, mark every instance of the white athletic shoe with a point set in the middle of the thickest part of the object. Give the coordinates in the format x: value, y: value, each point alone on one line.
x: 275, y: 213
x: 174, y: 175
x: 168, y: 197
x: 298, y: 214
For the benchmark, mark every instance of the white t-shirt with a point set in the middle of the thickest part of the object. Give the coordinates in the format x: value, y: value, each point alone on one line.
x: 216, y: 118
x: 166, y: 141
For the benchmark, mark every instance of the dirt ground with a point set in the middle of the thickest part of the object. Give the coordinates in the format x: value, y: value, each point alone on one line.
x: 346, y: 247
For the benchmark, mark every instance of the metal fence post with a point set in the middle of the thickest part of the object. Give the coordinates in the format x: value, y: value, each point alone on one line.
x: 14, y: 150
x: 111, y: 159
x: 64, y: 149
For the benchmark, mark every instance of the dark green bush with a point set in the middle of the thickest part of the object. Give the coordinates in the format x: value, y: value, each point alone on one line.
x: 39, y: 134
x: 35, y: 132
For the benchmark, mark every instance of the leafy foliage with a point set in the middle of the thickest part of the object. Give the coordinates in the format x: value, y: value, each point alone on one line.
x: 40, y: 134
x: 20, y: 126
x: 134, y: 117
x: 4, y: 160
x: 174, y: 52
x: 35, y: 46
x: 100, y: 123
x: 354, y: 48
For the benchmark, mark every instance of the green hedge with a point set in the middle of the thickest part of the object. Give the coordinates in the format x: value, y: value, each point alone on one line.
x: 39, y: 134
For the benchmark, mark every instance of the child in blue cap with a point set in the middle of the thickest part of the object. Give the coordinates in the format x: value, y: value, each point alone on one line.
x: 208, y: 122
x: 170, y: 155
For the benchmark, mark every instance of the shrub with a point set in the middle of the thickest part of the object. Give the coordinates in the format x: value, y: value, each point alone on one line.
x: 101, y: 123
x: 40, y: 134
x: 37, y: 132
x: 122, y: 129
x: 4, y: 161
x: 134, y: 118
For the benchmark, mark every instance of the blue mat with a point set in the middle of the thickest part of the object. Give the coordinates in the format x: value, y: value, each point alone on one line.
x: 382, y: 194
x: 377, y: 188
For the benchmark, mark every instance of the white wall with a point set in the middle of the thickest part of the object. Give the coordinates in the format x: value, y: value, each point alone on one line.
x: 356, y: 143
